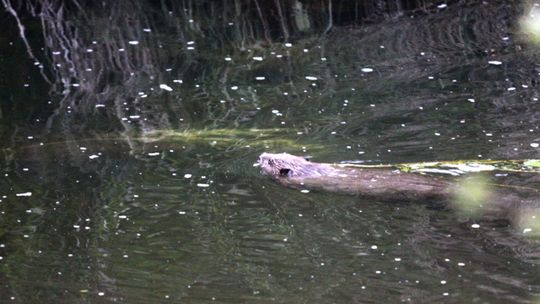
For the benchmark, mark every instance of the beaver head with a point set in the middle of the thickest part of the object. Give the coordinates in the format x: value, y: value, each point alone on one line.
x: 287, y: 165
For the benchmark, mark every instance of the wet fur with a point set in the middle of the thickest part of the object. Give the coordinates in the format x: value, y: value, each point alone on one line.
x: 295, y: 171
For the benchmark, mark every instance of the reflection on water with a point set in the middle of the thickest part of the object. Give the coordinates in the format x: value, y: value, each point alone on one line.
x: 129, y: 142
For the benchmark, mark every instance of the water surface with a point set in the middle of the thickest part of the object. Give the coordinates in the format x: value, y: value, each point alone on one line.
x: 128, y: 152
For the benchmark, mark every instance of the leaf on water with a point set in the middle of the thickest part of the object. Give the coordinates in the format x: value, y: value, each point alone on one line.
x: 472, y: 195
x: 535, y: 163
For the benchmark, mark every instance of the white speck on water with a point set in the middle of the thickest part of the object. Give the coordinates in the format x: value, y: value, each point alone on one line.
x: 260, y: 78
x: 134, y: 116
x: 258, y: 58
x: 178, y: 81
x: 122, y: 217
x: 535, y: 145
x: 288, y: 44
x: 304, y: 191
x: 323, y: 58
x: 187, y: 175
x: 133, y: 42
x: 471, y: 100
x: 24, y: 194
x: 190, y: 42
x: 437, y: 134
x: 367, y: 70
x: 203, y: 185
x: 99, y: 105
x: 181, y: 212
x: 190, y: 48
x: 374, y: 247
x: 511, y: 89
x: 228, y: 58
x: 461, y: 264
x: 306, y: 50
x: 165, y: 87
x: 377, y: 271
x: 76, y: 226
x: 442, y: 5
x: 311, y: 78
x: 147, y: 30
x: 93, y: 156
x: 234, y: 88
x: 101, y: 294
x: 431, y: 77
x: 475, y: 226
x: 495, y: 62
x: 527, y: 230
x: 397, y: 259
x: 154, y: 153
x: 443, y: 282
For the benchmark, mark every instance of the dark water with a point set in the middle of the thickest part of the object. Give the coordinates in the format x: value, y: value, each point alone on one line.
x: 128, y: 145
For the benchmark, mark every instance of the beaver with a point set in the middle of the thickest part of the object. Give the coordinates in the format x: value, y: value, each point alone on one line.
x: 297, y: 172
x: 470, y: 198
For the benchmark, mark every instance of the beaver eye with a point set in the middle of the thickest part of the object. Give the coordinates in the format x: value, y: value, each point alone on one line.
x: 285, y: 172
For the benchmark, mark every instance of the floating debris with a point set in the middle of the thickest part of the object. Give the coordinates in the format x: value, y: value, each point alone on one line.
x: 165, y: 87
x: 24, y: 194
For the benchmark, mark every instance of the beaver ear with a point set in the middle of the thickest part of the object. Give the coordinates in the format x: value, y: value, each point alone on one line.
x: 285, y: 172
